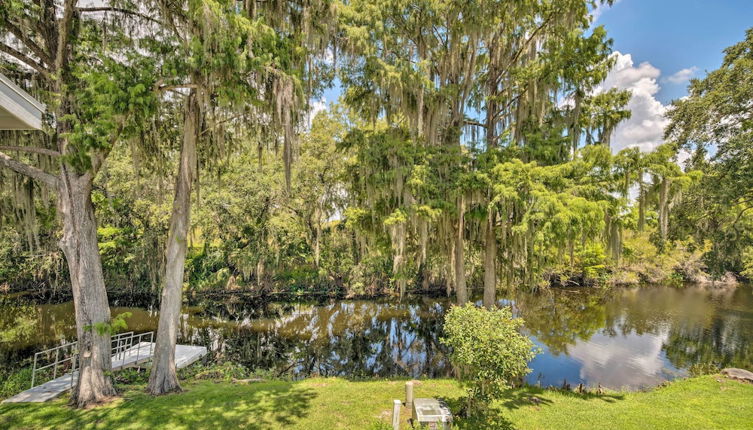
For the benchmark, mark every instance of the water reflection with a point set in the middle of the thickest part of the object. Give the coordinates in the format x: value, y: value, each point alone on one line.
x: 617, y: 338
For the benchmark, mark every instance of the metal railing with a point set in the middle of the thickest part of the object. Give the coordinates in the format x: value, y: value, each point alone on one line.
x: 70, y: 349
x: 124, y: 346
x: 121, y: 348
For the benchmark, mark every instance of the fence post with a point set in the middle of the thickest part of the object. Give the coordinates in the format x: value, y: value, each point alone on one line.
x: 55, y: 367
x: 34, y: 370
x: 138, y: 350
x: 409, y: 394
x: 396, y: 404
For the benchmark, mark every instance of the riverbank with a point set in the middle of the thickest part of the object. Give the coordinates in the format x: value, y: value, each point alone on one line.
x: 707, y: 402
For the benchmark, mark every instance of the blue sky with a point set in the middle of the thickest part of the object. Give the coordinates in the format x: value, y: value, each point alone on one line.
x: 673, y: 35
x: 659, y: 46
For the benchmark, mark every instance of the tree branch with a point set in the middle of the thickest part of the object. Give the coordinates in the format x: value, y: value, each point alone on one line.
x: 31, y: 149
x: 30, y: 171
x: 33, y: 47
x: 531, y: 37
x: 474, y: 123
x: 175, y: 87
x: 24, y: 59
x: 64, y: 33
x: 118, y: 10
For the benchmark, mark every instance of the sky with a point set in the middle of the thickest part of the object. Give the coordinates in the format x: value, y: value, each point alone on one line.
x: 659, y: 46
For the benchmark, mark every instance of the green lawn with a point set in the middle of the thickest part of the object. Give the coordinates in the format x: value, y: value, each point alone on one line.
x: 700, y: 403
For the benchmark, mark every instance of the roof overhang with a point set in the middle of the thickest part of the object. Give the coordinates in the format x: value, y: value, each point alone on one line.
x: 18, y: 110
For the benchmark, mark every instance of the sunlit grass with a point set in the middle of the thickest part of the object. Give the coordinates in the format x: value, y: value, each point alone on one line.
x: 706, y: 402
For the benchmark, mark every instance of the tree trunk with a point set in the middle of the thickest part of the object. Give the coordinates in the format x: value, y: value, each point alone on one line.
x: 450, y: 284
x: 79, y: 244
x: 663, y: 211
x: 318, y: 232
x: 460, y: 287
x: 641, y: 203
x: 490, y: 263
x: 317, y: 244
x: 163, y: 378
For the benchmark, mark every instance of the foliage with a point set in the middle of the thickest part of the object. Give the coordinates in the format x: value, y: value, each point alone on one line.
x: 489, y: 133
x: 14, y: 381
x: 701, y: 369
x: 488, y: 350
x: 226, y: 371
x: 115, y: 325
x: 715, y: 123
x: 131, y: 376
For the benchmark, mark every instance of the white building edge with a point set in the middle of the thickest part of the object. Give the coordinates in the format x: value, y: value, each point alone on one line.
x: 18, y: 110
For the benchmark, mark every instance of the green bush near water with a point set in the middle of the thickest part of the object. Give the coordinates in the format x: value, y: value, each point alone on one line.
x: 488, y: 350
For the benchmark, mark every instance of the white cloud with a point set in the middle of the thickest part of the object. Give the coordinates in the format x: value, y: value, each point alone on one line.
x: 612, y: 360
x: 682, y: 76
x: 645, y: 128
x: 315, y: 107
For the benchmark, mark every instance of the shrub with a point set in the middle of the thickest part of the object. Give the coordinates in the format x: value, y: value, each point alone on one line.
x: 701, y: 369
x: 13, y: 382
x: 593, y: 260
x: 226, y: 371
x: 488, y: 351
x: 131, y: 376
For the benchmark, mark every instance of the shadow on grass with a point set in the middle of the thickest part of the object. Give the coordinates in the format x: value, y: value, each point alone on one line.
x: 492, y: 419
x: 495, y: 417
x: 210, y: 406
x: 535, y: 396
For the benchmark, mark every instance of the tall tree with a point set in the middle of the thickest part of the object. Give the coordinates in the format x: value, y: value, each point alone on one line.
x: 95, y: 90
x: 715, y: 122
x: 231, y: 60
x: 669, y: 180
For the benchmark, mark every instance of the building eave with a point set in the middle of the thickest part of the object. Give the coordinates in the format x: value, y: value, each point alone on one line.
x: 18, y: 110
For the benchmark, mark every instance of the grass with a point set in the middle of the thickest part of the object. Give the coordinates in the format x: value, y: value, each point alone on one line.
x: 706, y: 402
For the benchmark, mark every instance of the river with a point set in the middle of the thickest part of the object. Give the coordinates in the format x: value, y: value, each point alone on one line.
x: 629, y: 338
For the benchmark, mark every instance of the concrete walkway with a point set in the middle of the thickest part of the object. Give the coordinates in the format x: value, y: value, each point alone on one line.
x: 185, y: 355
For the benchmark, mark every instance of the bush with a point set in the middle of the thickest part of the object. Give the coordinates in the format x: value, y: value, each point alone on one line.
x: 701, y: 369
x: 593, y: 260
x: 226, y: 371
x: 14, y: 381
x: 131, y: 376
x: 488, y: 351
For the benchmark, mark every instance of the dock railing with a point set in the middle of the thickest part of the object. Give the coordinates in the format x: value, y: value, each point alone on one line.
x: 65, y: 357
x: 66, y: 353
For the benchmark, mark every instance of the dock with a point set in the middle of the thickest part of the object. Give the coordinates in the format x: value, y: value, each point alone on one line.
x: 132, y: 356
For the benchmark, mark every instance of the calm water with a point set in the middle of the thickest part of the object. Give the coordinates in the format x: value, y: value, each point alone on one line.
x: 624, y: 338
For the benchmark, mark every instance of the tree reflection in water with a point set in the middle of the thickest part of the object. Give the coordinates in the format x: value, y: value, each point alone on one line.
x: 629, y: 337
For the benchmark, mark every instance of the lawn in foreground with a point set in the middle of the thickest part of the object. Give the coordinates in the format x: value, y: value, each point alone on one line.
x: 706, y: 402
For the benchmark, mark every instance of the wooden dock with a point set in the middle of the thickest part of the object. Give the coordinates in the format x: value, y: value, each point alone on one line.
x: 136, y: 355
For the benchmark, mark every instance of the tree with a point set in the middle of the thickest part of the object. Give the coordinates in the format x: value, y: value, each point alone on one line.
x: 96, y: 93
x: 425, y: 70
x: 716, y: 123
x: 231, y: 61
x: 488, y: 351
x: 669, y: 180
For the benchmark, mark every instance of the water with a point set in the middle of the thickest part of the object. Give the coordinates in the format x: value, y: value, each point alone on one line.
x: 621, y: 338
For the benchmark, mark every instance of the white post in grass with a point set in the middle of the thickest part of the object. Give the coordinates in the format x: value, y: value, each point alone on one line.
x: 409, y: 394
x: 396, y: 414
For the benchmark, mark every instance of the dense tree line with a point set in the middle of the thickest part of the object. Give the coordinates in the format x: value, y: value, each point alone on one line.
x: 471, y: 147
